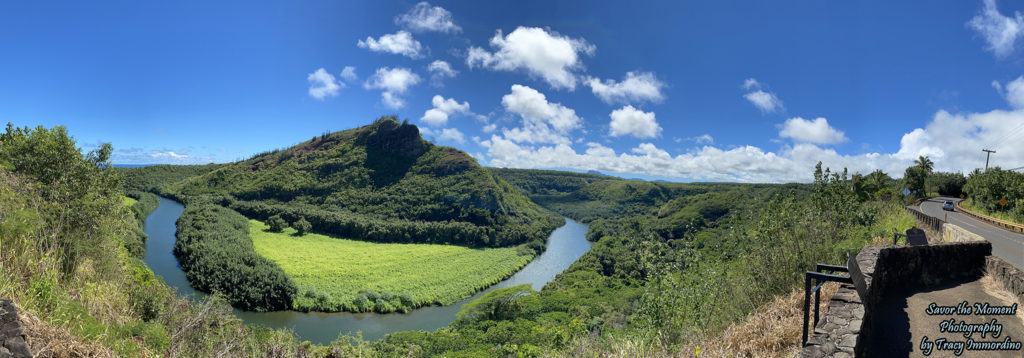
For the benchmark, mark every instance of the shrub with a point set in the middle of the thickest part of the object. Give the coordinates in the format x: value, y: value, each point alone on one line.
x: 277, y: 224
x: 302, y: 226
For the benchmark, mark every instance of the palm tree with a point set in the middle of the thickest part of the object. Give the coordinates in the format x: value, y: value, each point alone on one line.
x: 877, y: 180
x: 925, y: 164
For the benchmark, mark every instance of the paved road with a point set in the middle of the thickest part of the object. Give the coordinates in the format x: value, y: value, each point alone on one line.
x: 1005, y: 244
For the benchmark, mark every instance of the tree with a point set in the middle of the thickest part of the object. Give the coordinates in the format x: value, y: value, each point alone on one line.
x: 877, y: 181
x: 925, y: 163
x: 277, y: 224
x: 302, y: 226
x: 914, y: 177
x: 949, y: 184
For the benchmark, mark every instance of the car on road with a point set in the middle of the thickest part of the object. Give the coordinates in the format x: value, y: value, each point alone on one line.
x: 948, y: 205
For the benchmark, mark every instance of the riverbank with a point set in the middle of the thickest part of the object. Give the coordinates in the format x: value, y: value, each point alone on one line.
x: 565, y: 245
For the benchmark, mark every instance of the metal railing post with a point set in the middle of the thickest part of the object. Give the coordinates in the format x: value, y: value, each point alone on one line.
x: 807, y: 299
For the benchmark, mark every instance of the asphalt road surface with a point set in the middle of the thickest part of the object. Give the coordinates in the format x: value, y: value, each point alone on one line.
x: 1007, y: 245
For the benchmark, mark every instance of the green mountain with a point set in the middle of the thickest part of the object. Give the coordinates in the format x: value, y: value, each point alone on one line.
x: 380, y: 182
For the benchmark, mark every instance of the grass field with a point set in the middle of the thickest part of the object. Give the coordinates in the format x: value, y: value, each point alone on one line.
x: 127, y: 201
x: 347, y: 275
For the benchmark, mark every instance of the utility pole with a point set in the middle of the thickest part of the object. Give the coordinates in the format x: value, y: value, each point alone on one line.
x: 987, y: 154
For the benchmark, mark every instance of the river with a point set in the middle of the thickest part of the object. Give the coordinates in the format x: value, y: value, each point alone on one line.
x: 565, y: 245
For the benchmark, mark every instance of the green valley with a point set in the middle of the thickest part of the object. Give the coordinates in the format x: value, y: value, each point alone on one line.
x: 335, y: 274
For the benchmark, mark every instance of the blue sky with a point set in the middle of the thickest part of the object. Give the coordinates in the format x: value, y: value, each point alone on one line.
x: 719, y: 90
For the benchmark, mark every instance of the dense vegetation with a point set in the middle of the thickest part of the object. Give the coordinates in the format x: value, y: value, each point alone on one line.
x: 217, y: 255
x: 334, y: 274
x: 157, y: 178
x: 142, y: 204
x: 986, y: 189
x: 64, y: 229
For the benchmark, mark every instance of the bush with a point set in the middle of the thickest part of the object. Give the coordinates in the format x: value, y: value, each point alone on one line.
x: 277, y: 224
x: 302, y: 226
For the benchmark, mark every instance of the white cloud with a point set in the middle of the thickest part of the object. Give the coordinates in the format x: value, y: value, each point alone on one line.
x: 632, y: 121
x: 349, y: 74
x: 1000, y: 32
x: 1014, y: 92
x: 167, y: 154
x: 635, y: 87
x: 490, y: 128
x: 817, y: 131
x: 766, y: 102
x: 393, y: 82
x: 543, y: 122
x: 443, y: 108
x: 540, y: 53
x: 452, y: 134
x: 323, y: 84
x: 751, y: 83
x: 399, y: 43
x: 423, y: 17
x: 439, y: 70
x: 704, y: 139
x: 998, y: 130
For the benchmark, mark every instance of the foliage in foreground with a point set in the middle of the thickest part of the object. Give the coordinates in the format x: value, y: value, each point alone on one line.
x: 335, y: 274
x: 64, y: 230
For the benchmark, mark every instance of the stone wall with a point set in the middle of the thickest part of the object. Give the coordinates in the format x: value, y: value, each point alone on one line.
x: 836, y: 333
x: 878, y: 270
x: 12, y: 334
x: 1011, y: 277
x: 953, y: 233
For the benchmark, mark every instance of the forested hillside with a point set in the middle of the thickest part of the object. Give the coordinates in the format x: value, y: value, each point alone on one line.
x: 380, y: 182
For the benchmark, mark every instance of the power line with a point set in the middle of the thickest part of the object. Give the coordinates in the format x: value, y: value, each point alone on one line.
x: 1010, y: 133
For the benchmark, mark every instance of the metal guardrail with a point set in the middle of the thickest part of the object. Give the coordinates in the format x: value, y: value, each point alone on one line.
x: 1003, y: 223
x: 933, y: 222
x: 821, y: 277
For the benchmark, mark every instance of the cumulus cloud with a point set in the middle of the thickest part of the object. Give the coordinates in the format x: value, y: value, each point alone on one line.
x: 443, y: 108
x: 767, y: 102
x: 424, y: 17
x: 635, y: 87
x: 543, y: 121
x: 547, y: 55
x: 399, y: 43
x: 167, y: 154
x: 349, y: 74
x: 817, y: 131
x: 1000, y: 31
x: 323, y: 84
x: 631, y: 121
x: 452, y: 134
x: 439, y: 70
x: 393, y: 82
x: 1014, y: 92
x: 445, y: 134
x: 998, y: 130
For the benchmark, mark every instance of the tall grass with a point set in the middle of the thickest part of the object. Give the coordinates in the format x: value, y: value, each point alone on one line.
x: 335, y: 274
